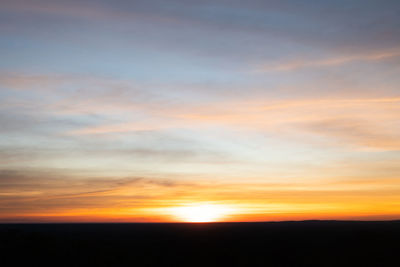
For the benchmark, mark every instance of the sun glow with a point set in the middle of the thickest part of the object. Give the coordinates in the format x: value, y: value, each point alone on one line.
x: 201, y: 213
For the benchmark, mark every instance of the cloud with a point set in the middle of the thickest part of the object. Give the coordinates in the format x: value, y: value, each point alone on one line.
x: 374, y: 56
x: 121, y: 128
x: 243, y: 34
x: 369, y: 122
x: 57, y: 194
x: 27, y: 189
x: 79, y: 107
x: 359, y: 132
x: 53, y: 195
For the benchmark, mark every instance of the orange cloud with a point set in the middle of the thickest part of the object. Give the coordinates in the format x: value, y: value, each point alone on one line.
x: 143, y: 199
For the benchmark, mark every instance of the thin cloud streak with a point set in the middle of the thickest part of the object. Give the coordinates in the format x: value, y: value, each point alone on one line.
x: 330, y: 62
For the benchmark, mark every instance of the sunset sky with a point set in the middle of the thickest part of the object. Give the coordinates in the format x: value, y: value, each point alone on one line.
x: 159, y: 111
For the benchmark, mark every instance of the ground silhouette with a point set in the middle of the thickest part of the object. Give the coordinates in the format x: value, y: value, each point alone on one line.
x: 307, y: 243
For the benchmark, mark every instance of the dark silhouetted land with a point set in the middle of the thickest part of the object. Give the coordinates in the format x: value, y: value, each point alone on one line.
x: 308, y: 243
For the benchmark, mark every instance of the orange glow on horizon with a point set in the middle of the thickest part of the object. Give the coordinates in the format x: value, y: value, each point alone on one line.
x: 201, y: 212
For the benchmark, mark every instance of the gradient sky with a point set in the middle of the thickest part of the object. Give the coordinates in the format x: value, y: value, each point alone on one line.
x: 125, y: 110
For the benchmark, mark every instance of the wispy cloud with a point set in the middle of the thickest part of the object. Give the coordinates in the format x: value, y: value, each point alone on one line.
x: 38, y: 196
x: 299, y: 64
x: 359, y: 132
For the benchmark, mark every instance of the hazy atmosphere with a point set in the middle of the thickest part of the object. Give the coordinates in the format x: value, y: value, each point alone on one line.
x: 170, y: 111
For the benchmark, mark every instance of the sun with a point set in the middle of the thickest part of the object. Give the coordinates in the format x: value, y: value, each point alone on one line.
x: 201, y: 212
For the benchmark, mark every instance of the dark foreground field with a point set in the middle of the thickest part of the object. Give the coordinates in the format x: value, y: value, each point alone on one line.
x: 309, y: 243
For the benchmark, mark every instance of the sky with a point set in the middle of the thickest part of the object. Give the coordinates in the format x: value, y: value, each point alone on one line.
x: 160, y: 111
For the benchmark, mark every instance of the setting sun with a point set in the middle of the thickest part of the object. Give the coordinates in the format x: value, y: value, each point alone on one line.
x: 201, y: 213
